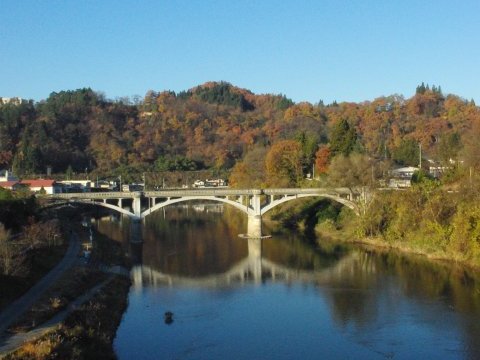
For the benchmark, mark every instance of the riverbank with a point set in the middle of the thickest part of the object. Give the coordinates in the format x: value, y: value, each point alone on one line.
x: 88, y: 330
x: 381, y: 245
x: 384, y: 226
x: 37, y: 263
x: 36, y: 247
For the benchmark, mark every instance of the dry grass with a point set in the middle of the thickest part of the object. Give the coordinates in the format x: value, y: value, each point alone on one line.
x: 87, y: 333
x: 72, y: 284
x: 37, y: 263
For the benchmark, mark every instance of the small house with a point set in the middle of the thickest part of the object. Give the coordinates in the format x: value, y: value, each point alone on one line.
x: 10, y: 185
x: 38, y: 186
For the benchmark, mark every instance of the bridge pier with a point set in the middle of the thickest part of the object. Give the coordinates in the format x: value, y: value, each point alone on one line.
x: 136, y: 231
x: 137, y: 204
x: 254, y: 227
x: 255, y: 258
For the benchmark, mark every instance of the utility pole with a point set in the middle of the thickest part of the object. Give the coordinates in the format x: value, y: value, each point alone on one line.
x: 420, y: 156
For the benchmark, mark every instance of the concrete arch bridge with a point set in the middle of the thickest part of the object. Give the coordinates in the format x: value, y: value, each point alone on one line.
x: 253, y: 202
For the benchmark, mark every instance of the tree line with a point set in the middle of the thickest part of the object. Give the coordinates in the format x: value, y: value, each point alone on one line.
x: 259, y: 138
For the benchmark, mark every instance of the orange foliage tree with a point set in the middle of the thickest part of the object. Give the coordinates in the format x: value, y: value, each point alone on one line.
x: 284, y: 163
x: 322, y: 159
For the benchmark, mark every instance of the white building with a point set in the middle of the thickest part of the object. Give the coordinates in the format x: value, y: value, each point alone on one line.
x: 75, y: 185
x: 402, y: 177
x: 6, y: 175
x: 13, y: 100
x: 49, y: 186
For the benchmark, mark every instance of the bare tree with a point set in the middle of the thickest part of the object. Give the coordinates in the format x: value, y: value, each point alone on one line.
x: 6, y: 251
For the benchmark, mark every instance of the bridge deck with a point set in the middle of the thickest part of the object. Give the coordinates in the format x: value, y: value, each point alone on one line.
x: 199, y: 192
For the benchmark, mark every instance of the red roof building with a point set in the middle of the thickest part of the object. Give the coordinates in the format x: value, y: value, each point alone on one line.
x: 49, y: 186
x: 10, y: 185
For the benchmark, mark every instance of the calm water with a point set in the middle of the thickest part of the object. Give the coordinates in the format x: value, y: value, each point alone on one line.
x: 284, y: 298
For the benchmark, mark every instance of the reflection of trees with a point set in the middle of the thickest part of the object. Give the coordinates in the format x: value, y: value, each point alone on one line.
x: 366, y: 288
x: 350, y: 293
x: 422, y: 279
x: 359, y: 291
x: 295, y: 253
x: 114, y: 227
x: 193, y: 243
x: 454, y: 286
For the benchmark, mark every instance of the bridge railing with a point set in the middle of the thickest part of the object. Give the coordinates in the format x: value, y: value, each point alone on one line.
x: 297, y: 191
x: 94, y: 195
x: 200, y: 192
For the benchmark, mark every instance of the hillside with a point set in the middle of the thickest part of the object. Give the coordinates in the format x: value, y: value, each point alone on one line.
x: 217, y: 125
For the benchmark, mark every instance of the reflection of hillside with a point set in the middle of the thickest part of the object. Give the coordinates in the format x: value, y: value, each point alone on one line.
x: 205, y: 243
x: 186, y: 247
x: 115, y: 228
x: 295, y: 253
x: 369, y: 287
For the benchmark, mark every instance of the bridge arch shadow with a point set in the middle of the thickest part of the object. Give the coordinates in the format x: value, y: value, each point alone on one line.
x: 349, y: 204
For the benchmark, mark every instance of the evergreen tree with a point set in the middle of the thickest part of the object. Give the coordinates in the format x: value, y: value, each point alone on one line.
x: 343, y: 138
x: 421, y: 88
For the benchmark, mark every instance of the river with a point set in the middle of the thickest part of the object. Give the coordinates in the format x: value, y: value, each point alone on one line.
x: 285, y: 297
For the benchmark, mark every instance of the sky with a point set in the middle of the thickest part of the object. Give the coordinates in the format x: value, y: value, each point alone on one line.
x: 330, y: 50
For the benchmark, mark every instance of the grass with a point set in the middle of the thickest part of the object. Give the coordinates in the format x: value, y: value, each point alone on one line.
x: 71, y: 285
x: 87, y: 333
x: 37, y: 263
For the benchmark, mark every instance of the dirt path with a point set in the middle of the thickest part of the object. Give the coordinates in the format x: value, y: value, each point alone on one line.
x: 17, y: 308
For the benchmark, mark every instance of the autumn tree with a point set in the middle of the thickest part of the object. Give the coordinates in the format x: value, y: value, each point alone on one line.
x: 250, y: 172
x: 449, y: 147
x: 407, y: 153
x: 350, y: 171
x: 284, y: 163
x: 322, y: 159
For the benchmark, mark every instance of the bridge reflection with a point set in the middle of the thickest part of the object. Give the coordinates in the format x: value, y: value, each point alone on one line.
x: 256, y: 269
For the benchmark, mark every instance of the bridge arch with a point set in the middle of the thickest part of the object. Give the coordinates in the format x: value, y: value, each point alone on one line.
x: 245, y: 209
x: 98, y: 203
x: 351, y: 205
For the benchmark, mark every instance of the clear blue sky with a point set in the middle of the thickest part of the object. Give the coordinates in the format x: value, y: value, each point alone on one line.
x: 307, y: 50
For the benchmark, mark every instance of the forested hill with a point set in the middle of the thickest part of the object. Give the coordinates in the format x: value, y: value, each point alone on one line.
x: 217, y: 125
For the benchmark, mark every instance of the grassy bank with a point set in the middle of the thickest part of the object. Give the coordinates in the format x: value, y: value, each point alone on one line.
x: 71, y: 285
x: 39, y: 245
x: 34, y: 265
x: 87, y: 333
x: 424, y: 220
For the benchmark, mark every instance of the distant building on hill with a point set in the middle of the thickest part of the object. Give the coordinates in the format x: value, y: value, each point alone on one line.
x: 73, y: 186
x: 38, y: 186
x: 6, y: 175
x: 11, y: 185
x: 12, y: 100
x: 402, y: 177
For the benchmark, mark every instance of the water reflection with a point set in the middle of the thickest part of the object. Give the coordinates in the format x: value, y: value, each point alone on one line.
x: 368, y: 303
